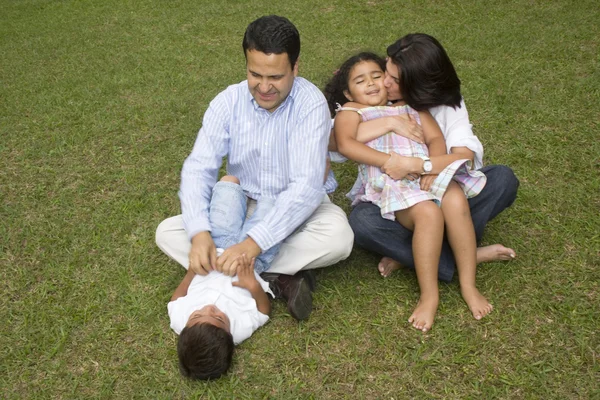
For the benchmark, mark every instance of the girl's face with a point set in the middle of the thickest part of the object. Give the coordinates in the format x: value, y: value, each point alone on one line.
x: 392, y: 80
x: 365, y: 84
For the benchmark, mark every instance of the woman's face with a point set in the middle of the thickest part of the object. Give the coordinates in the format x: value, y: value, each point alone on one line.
x: 392, y: 80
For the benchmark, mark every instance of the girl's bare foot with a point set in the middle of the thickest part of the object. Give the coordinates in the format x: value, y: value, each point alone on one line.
x: 387, y: 266
x: 424, y: 314
x: 478, y: 304
x: 494, y: 252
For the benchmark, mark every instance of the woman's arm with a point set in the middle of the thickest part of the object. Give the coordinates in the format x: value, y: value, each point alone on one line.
x: 401, y: 125
x: 346, y: 126
x: 437, y: 152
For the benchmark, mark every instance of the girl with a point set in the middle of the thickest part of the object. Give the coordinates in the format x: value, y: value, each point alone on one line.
x: 359, y: 84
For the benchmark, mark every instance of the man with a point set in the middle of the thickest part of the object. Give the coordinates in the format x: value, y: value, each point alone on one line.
x: 274, y: 129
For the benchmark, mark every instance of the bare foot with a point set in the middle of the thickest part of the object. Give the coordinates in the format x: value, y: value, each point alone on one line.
x: 494, y: 252
x: 424, y: 314
x: 478, y: 304
x: 387, y: 266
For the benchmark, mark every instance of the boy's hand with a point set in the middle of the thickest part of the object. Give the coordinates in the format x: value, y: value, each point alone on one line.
x: 245, y: 273
x: 427, y: 181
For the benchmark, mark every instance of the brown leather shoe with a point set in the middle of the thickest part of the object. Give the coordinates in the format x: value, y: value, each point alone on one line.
x: 295, y: 290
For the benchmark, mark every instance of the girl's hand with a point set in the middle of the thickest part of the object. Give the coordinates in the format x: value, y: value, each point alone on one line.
x: 427, y: 181
x: 403, y: 125
x: 245, y: 273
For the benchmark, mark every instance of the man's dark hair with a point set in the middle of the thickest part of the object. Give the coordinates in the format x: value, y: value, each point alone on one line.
x: 338, y: 83
x: 273, y: 35
x: 427, y: 77
x: 205, y: 351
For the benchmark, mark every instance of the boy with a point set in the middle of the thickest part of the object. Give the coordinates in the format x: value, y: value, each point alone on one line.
x: 214, y: 312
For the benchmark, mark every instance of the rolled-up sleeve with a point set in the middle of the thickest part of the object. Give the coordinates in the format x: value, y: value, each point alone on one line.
x: 458, y: 132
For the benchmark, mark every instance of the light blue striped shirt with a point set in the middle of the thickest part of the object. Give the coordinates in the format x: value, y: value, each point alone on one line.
x: 280, y: 155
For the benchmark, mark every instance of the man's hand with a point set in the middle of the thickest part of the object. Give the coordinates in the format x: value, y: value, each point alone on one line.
x: 228, y: 262
x: 245, y: 273
x: 203, y: 255
x: 427, y: 181
x: 398, y: 167
x: 403, y: 125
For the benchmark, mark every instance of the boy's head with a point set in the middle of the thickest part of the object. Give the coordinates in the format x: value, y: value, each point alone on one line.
x: 205, y: 346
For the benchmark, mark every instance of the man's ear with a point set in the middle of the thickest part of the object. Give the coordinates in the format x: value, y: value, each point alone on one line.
x: 347, y: 94
x: 295, y: 69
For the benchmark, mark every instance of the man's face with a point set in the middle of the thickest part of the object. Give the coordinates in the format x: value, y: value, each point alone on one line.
x: 210, y: 315
x: 270, y: 78
x: 392, y: 80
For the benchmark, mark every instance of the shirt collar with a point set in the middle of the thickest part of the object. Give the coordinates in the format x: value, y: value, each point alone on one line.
x: 289, y: 98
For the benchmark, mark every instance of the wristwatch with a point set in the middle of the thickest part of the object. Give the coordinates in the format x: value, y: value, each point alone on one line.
x: 427, y: 165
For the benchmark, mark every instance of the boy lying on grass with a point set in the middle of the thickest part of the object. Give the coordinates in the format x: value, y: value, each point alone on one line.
x: 212, y: 313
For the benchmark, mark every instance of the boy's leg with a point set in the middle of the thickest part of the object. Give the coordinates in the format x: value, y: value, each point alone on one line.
x: 227, y: 211
x: 173, y: 240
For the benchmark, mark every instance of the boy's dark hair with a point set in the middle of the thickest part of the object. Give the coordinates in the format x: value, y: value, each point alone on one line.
x: 273, y: 35
x: 427, y: 77
x: 205, y: 351
x: 338, y: 83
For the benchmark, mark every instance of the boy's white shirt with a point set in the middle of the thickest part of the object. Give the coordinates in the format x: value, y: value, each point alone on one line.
x: 216, y: 288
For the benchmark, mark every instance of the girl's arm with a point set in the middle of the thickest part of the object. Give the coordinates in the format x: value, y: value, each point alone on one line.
x: 345, y: 129
x: 184, y: 285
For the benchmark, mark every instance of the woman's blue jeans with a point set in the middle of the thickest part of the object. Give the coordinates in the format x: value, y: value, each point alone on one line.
x: 390, y: 239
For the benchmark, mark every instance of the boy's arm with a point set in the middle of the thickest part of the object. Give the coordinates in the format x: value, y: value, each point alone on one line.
x: 262, y: 300
x: 247, y: 280
x: 184, y: 285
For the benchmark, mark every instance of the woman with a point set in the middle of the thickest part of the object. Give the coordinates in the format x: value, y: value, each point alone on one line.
x: 413, y: 69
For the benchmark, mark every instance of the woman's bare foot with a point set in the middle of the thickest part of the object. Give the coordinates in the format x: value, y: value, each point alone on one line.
x: 494, y: 252
x: 478, y: 304
x: 387, y: 266
x: 424, y: 314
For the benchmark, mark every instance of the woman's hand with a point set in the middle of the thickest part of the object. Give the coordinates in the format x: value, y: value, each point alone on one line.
x: 403, y: 125
x: 399, y: 167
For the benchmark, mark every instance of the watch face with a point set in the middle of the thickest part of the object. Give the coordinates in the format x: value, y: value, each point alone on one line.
x: 427, y: 167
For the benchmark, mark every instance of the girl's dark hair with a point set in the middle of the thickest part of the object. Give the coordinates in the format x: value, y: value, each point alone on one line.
x: 427, y: 77
x: 205, y: 351
x: 273, y: 34
x: 338, y: 83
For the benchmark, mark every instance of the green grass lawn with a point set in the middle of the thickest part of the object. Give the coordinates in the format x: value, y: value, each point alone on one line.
x: 100, y: 103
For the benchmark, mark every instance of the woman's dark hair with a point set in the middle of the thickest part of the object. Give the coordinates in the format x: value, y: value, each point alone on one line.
x: 427, y: 77
x: 205, y: 351
x: 273, y: 35
x: 338, y: 83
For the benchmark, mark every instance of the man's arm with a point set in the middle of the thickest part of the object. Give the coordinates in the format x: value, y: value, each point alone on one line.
x: 198, y: 176
x: 307, y: 153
